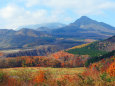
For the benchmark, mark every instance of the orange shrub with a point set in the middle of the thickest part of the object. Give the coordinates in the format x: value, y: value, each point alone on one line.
x: 39, y: 78
x: 111, y: 69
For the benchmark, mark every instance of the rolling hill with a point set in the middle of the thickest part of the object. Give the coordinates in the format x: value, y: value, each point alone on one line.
x: 97, y: 48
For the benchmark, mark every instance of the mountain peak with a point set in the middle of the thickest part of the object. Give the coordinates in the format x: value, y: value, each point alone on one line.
x: 84, y: 20
x: 84, y: 17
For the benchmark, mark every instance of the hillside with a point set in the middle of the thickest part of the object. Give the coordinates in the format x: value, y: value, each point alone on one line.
x: 29, y: 38
x: 108, y: 55
x: 96, y: 48
x: 43, y: 50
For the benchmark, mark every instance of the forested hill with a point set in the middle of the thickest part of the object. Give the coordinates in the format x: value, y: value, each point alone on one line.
x: 96, y: 48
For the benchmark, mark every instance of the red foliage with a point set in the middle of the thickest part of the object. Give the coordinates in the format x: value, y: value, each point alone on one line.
x: 60, y: 54
x: 13, y: 82
x: 111, y: 69
x: 39, y: 78
x: 62, y: 64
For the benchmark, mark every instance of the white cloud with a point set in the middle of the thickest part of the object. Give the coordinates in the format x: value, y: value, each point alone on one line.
x: 16, y: 15
x: 7, y: 12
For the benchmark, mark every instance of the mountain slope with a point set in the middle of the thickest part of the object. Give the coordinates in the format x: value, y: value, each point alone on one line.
x: 96, y: 48
x: 85, y: 28
x: 31, y: 33
x: 29, y: 38
x: 51, y: 34
x: 92, y: 25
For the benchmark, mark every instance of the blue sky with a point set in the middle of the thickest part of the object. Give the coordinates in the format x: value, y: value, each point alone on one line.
x: 15, y: 13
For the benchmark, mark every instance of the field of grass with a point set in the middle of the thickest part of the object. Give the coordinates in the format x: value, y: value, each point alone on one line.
x: 56, y: 72
x: 41, y: 76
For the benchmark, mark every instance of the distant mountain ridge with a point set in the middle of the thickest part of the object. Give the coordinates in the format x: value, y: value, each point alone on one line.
x: 56, y: 34
x: 85, y: 27
x: 29, y: 38
x: 43, y: 27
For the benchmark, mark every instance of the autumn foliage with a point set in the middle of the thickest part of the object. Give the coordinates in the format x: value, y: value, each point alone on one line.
x: 99, y: 73
x: 111, y: 69
x: 58, y: 59
x: 40, y: 77
x: 63, y: 54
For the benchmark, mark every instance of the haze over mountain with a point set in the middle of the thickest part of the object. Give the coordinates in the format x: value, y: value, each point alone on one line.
x: 43, y: 27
